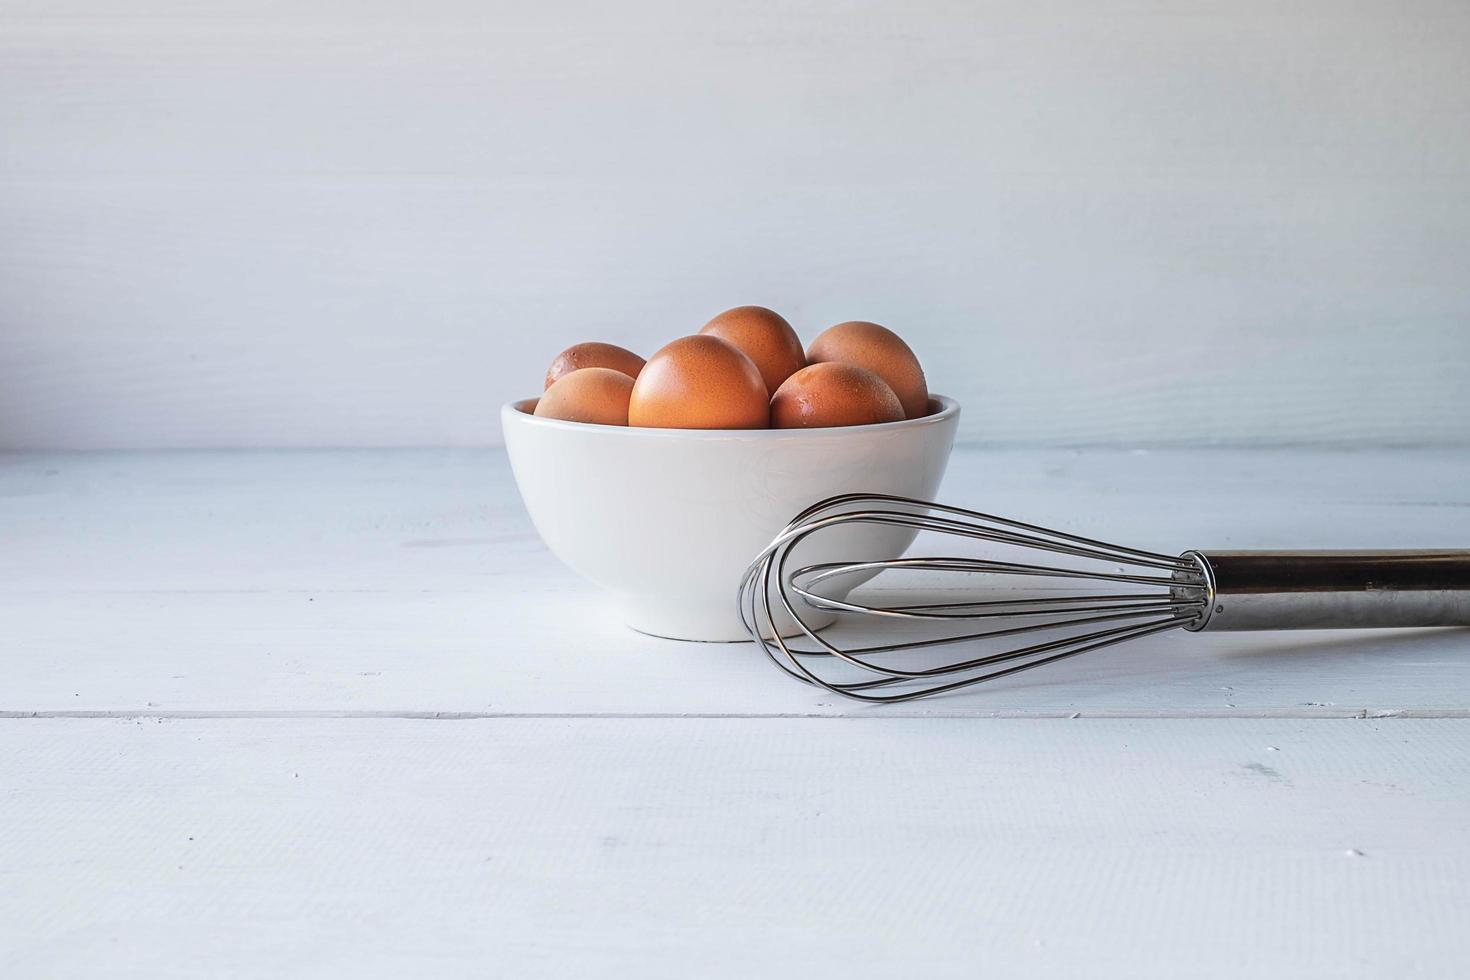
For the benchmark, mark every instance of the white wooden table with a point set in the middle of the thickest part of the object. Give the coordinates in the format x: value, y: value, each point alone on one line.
x: 296, y: 714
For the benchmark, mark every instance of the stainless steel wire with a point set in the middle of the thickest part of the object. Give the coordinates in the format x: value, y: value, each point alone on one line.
x: 1018, y: 632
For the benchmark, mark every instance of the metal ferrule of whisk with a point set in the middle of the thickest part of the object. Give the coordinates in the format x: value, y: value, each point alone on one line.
x: 1031, y: 596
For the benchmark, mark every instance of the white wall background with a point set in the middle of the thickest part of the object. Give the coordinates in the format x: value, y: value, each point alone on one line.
x: 344, y: 222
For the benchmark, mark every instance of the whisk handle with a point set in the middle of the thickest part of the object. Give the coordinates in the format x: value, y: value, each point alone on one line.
x: 1273, y: 590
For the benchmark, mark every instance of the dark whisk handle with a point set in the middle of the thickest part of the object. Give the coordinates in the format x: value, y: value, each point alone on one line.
x: 1274, y: 590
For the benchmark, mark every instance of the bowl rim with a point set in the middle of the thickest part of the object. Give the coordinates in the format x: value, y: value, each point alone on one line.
x: 948, y: 409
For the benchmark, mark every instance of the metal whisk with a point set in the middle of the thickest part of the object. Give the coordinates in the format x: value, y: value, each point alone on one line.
x: 1079, y: 595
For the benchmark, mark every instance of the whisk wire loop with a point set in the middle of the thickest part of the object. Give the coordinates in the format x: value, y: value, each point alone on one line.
x: 1063, y: 625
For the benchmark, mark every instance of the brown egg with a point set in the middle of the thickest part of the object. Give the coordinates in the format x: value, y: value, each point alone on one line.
x: 833, y: 394
x: 699, y: 382
x: 765, y: 337
x: 597, y: 395
x: 881, y: 351
x: 591, y: 355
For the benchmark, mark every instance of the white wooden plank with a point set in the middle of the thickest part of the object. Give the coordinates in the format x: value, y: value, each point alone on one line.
x: 412, y: 582
x: 735, y: 848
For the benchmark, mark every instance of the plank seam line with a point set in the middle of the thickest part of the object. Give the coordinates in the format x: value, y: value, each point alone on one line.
x: 1370, y: 714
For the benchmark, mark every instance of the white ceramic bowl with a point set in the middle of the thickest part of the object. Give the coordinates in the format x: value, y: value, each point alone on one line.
x: 668, y: 519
